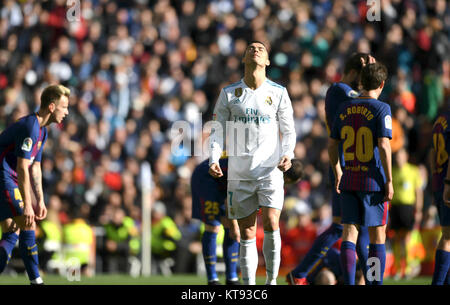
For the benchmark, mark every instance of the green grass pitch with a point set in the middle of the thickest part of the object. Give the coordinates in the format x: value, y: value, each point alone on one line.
x: 160, y: 280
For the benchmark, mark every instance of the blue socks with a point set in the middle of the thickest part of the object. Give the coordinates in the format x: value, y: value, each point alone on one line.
x: 29, y: 253
x: 320, y: 247
x: 441, y: 268
x: 7, y: 244
x: 230, y: 255
x: 362, y: 249
x: 348, y: 261
x: 378, y: 251
x: 209, y: 245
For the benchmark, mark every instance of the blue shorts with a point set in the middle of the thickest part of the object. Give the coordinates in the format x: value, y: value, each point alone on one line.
x: 11, y: 204
x: 443, y: 210
x: 364, y: 208
x: 336, y: 204
x: 208, y: 205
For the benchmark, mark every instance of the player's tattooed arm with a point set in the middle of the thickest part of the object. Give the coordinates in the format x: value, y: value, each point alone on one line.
x: 36, y: 178
x: 23, y: 179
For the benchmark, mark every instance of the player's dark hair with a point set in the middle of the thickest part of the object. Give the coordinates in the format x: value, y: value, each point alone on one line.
x: 53, y: 93
x: 296, y: 171
x: 372, y: 75
x: 355, y: 63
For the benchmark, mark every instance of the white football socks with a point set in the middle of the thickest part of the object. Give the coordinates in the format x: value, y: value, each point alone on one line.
x: 249, y: 261
x: 272, y: 255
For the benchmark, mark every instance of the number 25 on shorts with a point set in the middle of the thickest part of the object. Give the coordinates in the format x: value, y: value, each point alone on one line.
x: 211, y: 207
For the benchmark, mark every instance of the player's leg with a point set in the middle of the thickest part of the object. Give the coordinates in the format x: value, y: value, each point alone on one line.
x: 9, y: 239
x: 272, y: 243
x: 242, y: 204
x: 230, y: 252
x: 248, y: 252
x: 28, y: 249
x: 377, y: 254
x: 10, y: 206
x: 320, y: 247
x: 441, y: 273
x: 209, y: 245
x: 271, y: 198
x: 442, y: 258
x: 362, y: 249
x: 348, y: 252
x: 207, y: 208
x: 375, y: 217
x: 351, y: 218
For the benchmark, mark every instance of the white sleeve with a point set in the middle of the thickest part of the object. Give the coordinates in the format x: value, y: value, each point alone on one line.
x: 287, y: 128
x: 221, y: 115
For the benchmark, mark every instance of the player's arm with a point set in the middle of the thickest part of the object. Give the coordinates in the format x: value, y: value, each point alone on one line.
x: 384, y: 146
x: 24, y: 183
x: 220, y: 116
x: 36, y: 184
x: 333, y: 153
x: 419, y: 202
x: 447, y: 188
x: 287, y: 129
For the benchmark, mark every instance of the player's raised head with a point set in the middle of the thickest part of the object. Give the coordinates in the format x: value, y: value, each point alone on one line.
x: 295, y: 173
x: 257, y: 51
x: 373, y: 76
x: 53, y: 94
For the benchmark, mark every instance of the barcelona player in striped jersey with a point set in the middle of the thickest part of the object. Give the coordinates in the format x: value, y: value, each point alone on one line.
x: 21, y: 146
x: 441, y: 182
x: 209, y: 205
x: 364, y: 126
x: 337, y: 94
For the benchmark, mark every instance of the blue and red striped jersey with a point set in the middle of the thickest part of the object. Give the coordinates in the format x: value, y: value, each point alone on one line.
x: 201, y: 178
x: 337, y: 94
x: 24, y: 138
x: 359, y: 124
x: 441, y: 145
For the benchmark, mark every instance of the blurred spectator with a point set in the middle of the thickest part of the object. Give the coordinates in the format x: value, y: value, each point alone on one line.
x: 298, y: 240
x: 165, y: 238
x: 79, y: 243
x: 121, y: 242
x: 406, y: 210
x: 50, y: 238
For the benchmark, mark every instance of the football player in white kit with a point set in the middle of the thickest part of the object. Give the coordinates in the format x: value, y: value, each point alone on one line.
x: 256, y: 118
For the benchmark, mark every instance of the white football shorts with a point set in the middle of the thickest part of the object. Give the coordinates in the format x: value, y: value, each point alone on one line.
x: 246, y: 196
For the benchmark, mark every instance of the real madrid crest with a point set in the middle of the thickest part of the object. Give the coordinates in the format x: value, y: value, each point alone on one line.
x: 269, y: 101
x: 238, y: 92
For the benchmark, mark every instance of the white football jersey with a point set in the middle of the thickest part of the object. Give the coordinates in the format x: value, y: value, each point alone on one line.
x: 252, y: 122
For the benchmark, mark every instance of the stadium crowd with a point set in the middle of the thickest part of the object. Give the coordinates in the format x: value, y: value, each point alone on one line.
x: 136, y: 67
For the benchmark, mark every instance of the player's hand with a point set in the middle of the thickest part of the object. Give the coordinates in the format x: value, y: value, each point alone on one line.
x: 215, y: 170
x: 370, y: 61
x: 285, y: 163
x: 234, y: 231
x: 28, y: 213
x: 389, y: 192
x: 41, y: 211
x: 447, y: 195
x: 337, y: 180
